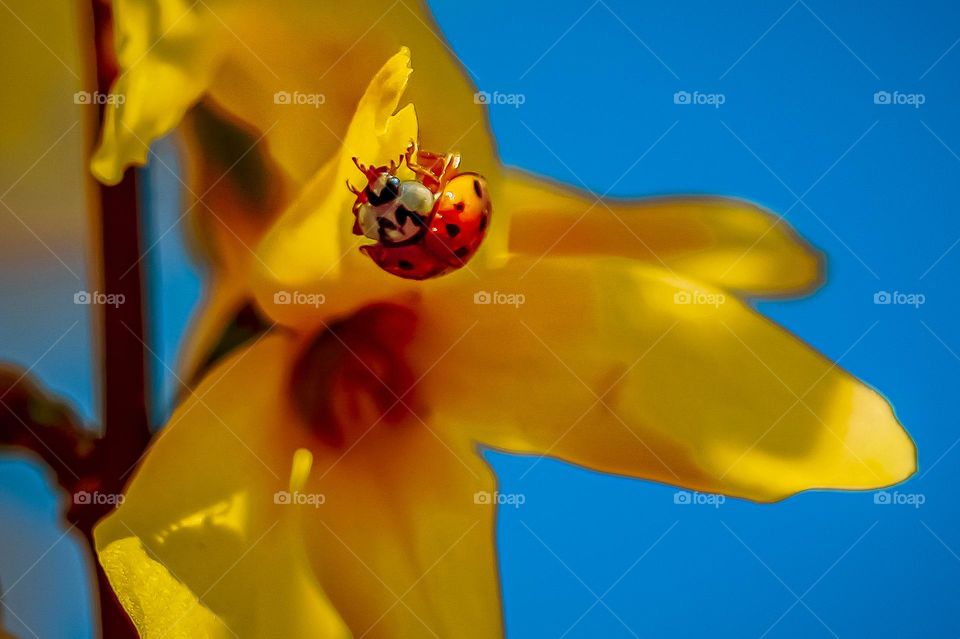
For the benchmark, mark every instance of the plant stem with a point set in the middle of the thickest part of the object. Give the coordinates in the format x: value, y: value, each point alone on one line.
x: 126, y: 429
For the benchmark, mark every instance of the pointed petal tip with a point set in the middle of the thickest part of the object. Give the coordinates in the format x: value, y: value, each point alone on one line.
x: 864, y: 447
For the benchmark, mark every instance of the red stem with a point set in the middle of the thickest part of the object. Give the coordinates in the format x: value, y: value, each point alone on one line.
x: 126, y: 430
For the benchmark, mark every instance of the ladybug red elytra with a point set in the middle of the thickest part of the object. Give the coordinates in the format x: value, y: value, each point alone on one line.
x: 424, y: 227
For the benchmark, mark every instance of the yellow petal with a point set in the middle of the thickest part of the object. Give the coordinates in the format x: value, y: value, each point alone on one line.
x: 167, y: 52
x: 620, y: 367
x: 401, y: 544
x: 398, y: 541
x: 724, y: 241
x: 240, y: 56
x: 331, y: 50
x: 313, y: 235
x: 235, y: 193
x: 156, y: 602
x: 199, y: 546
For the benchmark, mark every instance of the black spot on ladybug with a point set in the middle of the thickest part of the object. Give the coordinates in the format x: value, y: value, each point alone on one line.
x: 459, y: 206
x: 404, y: 214
x: 453, y: 230
x: 483, y: 223
x: 461, y: 252
x: 477, y: 188
x: 388, y: 193
x: 405, y: 265
x: 384, y: 223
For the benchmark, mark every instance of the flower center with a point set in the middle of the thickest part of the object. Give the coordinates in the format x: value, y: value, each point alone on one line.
x: 353, y: 375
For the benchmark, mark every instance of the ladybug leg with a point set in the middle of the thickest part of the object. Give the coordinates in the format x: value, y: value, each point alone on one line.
x: 450, y: 164
x: 436, y: 169
x: 413, y: 151
x: 414, y: 156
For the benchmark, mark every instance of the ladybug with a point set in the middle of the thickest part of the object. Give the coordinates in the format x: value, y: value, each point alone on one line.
x: 423, y: 227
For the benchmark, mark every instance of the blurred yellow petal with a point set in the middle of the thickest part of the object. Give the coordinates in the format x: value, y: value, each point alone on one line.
x: 727, y: 242
x: 623, y: 368
x: 235, y: 192
x: 331, y: 50
x: 167, y: 52
x: 240, y: 56
x: 200, y: 546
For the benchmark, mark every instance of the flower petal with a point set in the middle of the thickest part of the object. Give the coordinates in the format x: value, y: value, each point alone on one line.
x: 199, y: 547
x: 236, y: 193
x: 727, y: 242
x: 330, y: 49
x: 620, y: 367
x: 401, y: 545
x: 310, y: 238
x: 167, y: 53
x: 172, y: 52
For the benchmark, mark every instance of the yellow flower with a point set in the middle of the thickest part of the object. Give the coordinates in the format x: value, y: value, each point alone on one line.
x: 250, y: 154
x: 325, y: 480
